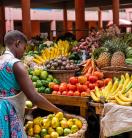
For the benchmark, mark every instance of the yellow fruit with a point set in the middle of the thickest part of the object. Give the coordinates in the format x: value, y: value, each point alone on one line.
x: 64, y: 124
x: 70, y: 123
x: 78, y: 123
x: 94, y: 97
x: 119, y: 101
x: 123, y: 98
x: 37, y: 129
x: 97, y: 92
x: 55, y: 122
x: 59, y: 115
x: 30, y: 132
x: 54, y: 135
x: 37, y: 121
x: 46, y: 123
x: 29, y: 125
x: 50, y: 130
x: 47, y: 136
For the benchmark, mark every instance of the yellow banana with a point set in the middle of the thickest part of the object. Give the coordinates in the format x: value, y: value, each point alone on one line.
x: 97, y: 92
x: 120, y: 102
x: 124, y: 98
x: 115, y: 85
x: 37, y: 61
x: 94, y: 97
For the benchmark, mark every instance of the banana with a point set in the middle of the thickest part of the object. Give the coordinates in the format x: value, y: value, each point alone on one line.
x: 120, y: 102
x: 37, y: 61
x: 97, y: 92
x: 123, y: 98
x: 127, y: 76
x: 115, y: 85
x: 94, y: 97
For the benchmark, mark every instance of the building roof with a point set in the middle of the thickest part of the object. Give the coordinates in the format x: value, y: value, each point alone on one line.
x: 59, y: 4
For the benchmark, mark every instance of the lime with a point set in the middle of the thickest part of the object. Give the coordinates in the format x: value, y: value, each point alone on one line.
x: 51, y: 77
x: 31, y: 73
x: 41, y: 89
x: 35, y: 78
x: 37, y: 136
x: 34, y: 83
x: 44, y: 75
x: 37, y: 72
x: 56, y: 81
x: 49, y: 80
x: 48, y: 90
x: 45, y: 83
x: 39, y: 84
x: 43, y: 132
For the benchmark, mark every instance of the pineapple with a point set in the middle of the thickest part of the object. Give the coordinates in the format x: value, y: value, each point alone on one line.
x: 118, y: 59
x: 103, y: 60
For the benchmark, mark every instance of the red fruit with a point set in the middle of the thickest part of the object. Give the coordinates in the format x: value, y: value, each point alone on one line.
x: 82, y: 79
x: 84, y: 94
x: 84, y: 88
x: 77, y: 93
x: 63, y: 84
x: 70, y: 93
x: 73, y: 80
x: 58, y: 93
x: 56, y: 87
x: 79, y: 87
x: 88, y: 91
x: 71, y: 87
x: 62, y: 88
x: 92, y: 79
x: 64, y: 93
x: 87, y: 83
x: 91, y: 86
x: 100, y: 83
x: 98, y: 74
x: 107, y: 80
x: 54, y: 92
x: 87, y: 75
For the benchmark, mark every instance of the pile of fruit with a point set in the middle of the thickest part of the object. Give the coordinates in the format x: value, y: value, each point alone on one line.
x: 42, y: 80
x: 53, y: 126
x: 117, y: 91
x: 80, y: 86
x: 62, y: 48
x: 60, y: 63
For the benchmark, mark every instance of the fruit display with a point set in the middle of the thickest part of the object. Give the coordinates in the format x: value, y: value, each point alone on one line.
x: 42, y: 80
x: 117, y: 91
x: 60, y: 63
x: 62, y: 48
x: 54, y: 126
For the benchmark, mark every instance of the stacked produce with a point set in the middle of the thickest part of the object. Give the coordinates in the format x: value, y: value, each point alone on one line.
x: 54, y: 126
x: 42, y: 80
x: 60, y: 63
x: 117, y: 91
x: 62, y: 48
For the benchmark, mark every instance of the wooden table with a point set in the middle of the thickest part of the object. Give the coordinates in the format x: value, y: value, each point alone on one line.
x: 81, y: 102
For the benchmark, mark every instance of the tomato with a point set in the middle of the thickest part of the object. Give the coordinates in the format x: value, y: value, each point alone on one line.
x: 56, y: 87
x: 106, y: 81
x: 88, y: 91
x: 64, y: 84
x: 64, y: 93
x: 100, y: 83
x: 84, y: 88
x: 73, y: 80
x: 98, y: 74
x: 77, y: 93
x: 62, y: 88
x: 79, y: 87
x: 54, y: 92
x: 58, y: 93
x: 92, y: 79
x: 70, y: 93
x: 91, y: 86
x: 51, y: 84
x: 84, y: 94
x: 82, y: 79
x: 87, y: 83
x: 87, y: 75
x: 71, y: 87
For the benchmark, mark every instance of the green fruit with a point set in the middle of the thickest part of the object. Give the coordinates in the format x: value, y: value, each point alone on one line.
x: 37, y: 136
x: 28, y: 104
x: 43, y: 132
x: 49, y: 80
x: 74, y: 129
x: 37, y: 72
x: 39, y: 84
x: 41, y: 89
x: 35, y: 78
x: 56, y: 81
x: 30, y: 76
x: 59, y: 130
x: 34, y: 83
x: 44, y: 75
x: 48, y: 91
x: 51, y: 77
x: 67, y: 131
x: 45, y: 83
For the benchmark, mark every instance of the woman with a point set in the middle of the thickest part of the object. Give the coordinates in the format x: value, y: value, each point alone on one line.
x: 15, y: 84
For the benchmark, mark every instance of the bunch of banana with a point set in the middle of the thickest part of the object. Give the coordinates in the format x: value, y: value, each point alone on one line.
x: 117, y: 91
x: 61, y: 48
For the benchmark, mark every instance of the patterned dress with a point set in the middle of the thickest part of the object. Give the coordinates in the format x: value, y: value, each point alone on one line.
x: 10, y: 124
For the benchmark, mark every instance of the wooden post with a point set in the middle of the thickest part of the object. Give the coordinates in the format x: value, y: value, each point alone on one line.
x: 116, y: 6
x: 26, y: 20
x: 65, y: 18
x: 80, y: 18
x: 2, y: 23
x: 100, y: 23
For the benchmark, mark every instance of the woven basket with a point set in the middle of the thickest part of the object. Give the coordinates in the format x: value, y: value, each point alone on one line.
x: 62, y: 75
x: 80, y: 133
